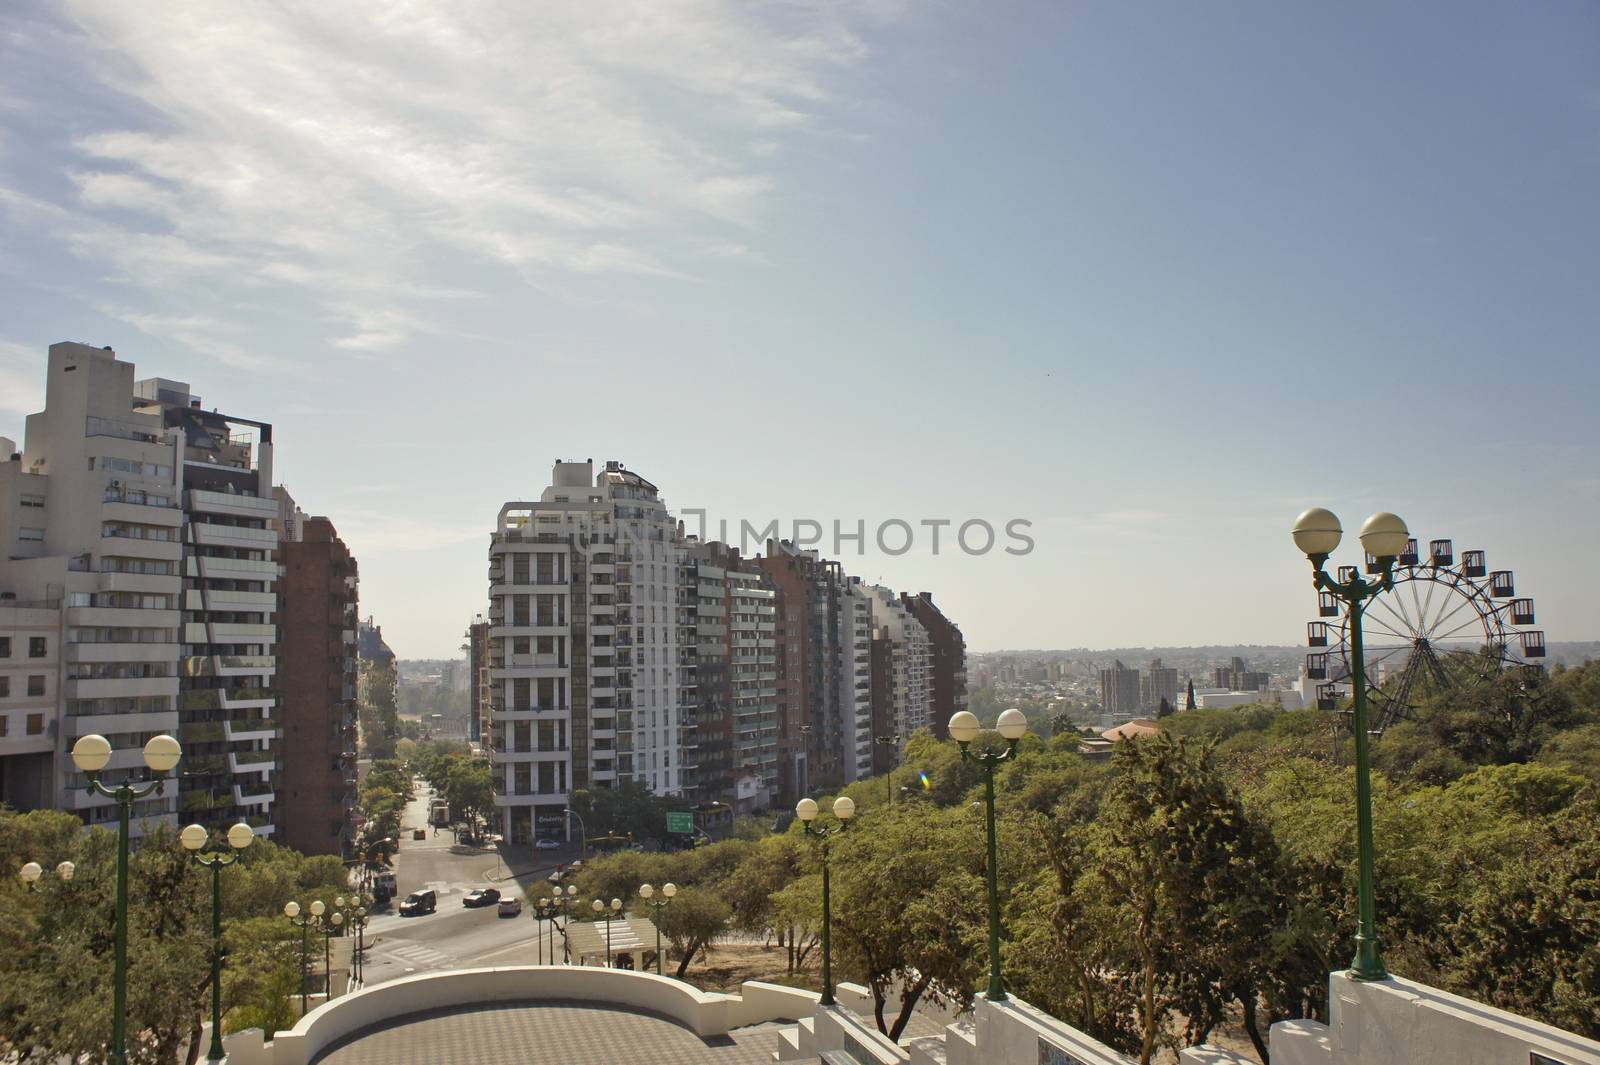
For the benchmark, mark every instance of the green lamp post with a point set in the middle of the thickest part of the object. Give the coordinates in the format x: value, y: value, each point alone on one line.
x: 194, y: 838
x: 615, y: 907
x: 91, y: 754
x: 893, y: 743
x: 647, y: 893
x: 844, y: 808
x: 303, y: 922
x: 964, y: 728
x: 330, y: 928
x: 357, y: 916
x: 1384, y: 536
x: 567, y: 902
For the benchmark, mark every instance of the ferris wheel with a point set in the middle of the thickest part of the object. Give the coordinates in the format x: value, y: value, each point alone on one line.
x: 1443, y: 625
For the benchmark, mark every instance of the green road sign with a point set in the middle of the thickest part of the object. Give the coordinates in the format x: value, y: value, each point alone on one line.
x: 680, y: 822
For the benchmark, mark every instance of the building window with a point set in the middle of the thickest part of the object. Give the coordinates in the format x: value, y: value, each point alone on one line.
x: 5, y: 688
x: 37, y: 647
x: 2, y: 724
x: 32, y: 501
x: 36, y: 684
x: 35, y: 724
x: 5, y: 647
x: 30, y: 534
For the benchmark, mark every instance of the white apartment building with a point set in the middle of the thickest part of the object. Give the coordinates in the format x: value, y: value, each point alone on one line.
x: 150, y: 520
x: 90, y: 519
x: 583, y: 645
x: 853, y: 640
x: 227, y: 656
x: 753, y: 688
x: 909, y: 698
x: 30, y: 720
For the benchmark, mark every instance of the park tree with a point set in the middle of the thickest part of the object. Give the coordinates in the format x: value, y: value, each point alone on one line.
x: 1195, y: 876
x: 55, y: 970
x: 907, y: 906
x: 696, y: 919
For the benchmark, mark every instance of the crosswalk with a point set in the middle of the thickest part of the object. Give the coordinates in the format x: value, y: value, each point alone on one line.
x: 417, y: 956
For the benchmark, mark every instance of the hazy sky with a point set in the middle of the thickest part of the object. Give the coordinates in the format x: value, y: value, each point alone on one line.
x: 1152, y: 277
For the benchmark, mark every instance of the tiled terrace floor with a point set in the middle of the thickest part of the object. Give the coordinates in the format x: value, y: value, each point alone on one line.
x: 547, y: 1033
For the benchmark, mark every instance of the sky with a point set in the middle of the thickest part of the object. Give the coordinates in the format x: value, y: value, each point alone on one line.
x: 1151, y: 278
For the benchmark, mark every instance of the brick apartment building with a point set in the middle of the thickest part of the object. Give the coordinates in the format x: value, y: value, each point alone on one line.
x: 317, y: 686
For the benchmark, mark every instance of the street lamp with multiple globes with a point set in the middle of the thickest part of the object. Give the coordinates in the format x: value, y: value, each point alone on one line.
x: 357, y: 916
x: 546, y: 909
x: 844, y: 808
x: 893, y: 743
x: 194, y: 838
x: 32, y: 871
x: 647, y: 893
x: 330, y: 928
x: 600, y: 907
x: 1384, y: 536
x: 567, y: 900
x: 91, y: 754
x: 304, y: 922
x: 964, y: 728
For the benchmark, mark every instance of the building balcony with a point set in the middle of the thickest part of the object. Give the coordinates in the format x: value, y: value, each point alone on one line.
x: 230, y: 503
x: 208, y: 535
x: 254, y: 795
x: 250, y: 729
x: 246, y: 762
x: 119, y: 687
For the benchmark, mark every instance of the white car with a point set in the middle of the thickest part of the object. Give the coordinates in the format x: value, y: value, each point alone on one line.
x: 510, y: 906
x: 549, y: 844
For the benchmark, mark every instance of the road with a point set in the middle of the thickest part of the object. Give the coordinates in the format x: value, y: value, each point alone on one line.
x: 454, y: 937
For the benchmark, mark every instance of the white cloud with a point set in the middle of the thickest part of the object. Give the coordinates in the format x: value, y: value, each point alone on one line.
x: 343, y: 149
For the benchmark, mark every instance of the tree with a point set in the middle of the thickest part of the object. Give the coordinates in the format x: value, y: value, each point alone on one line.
x: 469, y: 789
x: 1195, y: 875
x: 55, y: 972
x: 629, y: 808
x: 695, y: 919
x: 907, y: 906
x: 1164, y: 709
x: 1188, y: 702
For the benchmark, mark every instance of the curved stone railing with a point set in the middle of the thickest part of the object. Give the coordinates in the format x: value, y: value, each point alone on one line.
x: 704, y: 1013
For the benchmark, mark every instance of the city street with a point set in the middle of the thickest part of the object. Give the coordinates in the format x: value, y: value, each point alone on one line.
x: 454, y: 937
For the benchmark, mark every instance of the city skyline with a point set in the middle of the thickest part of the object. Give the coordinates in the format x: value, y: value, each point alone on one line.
x: 1129, y: 292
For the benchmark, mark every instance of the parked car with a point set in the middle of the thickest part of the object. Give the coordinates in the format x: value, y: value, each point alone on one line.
x: 484, y: 896
x: 549, y: 844
x: 510, y: 906
x: 420, y: 902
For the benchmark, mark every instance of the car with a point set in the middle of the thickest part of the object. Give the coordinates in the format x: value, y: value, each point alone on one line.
x: 486, y: 896
x: 510, y: 906
x: 420, y: 902
x: 549, y: 844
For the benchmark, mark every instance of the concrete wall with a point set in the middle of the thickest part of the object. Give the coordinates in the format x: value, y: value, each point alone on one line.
x: 704, y: 1013
x: 1374, y: 1023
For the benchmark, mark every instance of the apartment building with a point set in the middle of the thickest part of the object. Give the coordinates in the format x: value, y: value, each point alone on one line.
x: 813, y: 730
x: 900, y: 692
x: 583, y: 645
x: 753, y: 686
x: 1119, y: 691
x: 316, y: 785
x: 852, y: 643
x: 477, y: 636
x: 947, y: 662
x: 227, y: 699
x: 91, y: 520
x: 30, y: 679
x: 1159, y: 684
